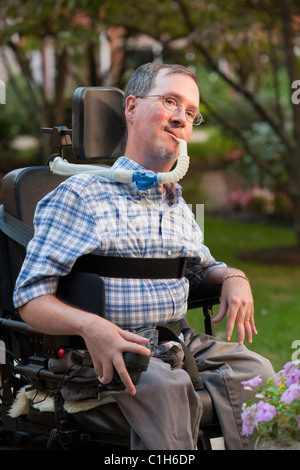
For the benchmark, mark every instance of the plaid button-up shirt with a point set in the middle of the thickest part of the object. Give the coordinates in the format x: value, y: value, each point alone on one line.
x: 89, y: 214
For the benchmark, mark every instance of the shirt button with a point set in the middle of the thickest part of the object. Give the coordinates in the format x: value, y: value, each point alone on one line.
x: 169, y: 252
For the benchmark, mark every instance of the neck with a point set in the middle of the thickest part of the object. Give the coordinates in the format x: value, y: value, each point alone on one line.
x: 150, y: 161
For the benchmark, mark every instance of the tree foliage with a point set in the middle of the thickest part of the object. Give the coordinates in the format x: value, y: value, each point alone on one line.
x: 250, y: 46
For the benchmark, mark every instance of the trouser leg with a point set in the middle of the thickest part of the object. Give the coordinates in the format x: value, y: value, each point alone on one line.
x: 164, y: 414
x: 223, y: 366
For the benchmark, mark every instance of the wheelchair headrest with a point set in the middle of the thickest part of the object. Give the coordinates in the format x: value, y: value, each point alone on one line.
x: 98, y: 126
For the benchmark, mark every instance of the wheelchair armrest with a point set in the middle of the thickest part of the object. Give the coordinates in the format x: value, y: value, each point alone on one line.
x: 83, y: 290
x: 205, y: 298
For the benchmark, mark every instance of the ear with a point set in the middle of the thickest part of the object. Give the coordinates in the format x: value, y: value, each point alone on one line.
x: 130, y: 106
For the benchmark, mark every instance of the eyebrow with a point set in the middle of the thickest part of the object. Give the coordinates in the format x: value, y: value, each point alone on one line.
x: 179, y: 97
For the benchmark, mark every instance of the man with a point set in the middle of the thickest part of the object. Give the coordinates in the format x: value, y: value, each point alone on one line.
x: 79, y: 217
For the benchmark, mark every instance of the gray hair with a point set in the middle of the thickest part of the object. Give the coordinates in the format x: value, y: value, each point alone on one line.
x: 142, y: 80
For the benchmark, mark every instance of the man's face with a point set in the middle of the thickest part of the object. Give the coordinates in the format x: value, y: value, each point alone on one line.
x: 154, y: 130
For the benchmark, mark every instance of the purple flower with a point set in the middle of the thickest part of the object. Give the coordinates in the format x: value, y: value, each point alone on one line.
x: 293, y: 372
x: 249, y: 420
x: 291, y: 394
x: 265, y: 412
x: 291, y: 367
x: 279, y: 377
x: 262, y: 413
x: 293, y: 379
x: 249, y: 384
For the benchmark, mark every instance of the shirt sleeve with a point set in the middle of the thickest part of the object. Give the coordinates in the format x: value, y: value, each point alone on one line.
x: 64, y: 230
x: 198, y: 267
x: 201, y: 261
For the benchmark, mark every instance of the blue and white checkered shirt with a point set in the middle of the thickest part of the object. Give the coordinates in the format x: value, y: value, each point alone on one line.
x: 89, y: 214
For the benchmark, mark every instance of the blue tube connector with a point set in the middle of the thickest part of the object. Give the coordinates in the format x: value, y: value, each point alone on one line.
x: 144, y: 179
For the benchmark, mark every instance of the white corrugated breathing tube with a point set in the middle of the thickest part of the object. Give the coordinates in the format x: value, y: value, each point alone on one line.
x: 144, y: 179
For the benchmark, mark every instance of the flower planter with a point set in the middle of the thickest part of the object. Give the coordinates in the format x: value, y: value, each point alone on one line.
x: 283, y: 442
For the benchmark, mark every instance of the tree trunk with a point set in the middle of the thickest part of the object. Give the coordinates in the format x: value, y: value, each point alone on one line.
x: 292, y: 66
x: 59, y: 108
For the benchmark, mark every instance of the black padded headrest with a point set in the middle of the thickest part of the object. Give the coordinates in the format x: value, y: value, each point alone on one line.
x: 98, y: 128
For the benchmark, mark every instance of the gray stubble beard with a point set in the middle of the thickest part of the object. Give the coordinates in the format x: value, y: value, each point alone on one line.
x: 168, y: 155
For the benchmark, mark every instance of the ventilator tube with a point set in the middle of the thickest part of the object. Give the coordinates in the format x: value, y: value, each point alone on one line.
x: 144, y: 179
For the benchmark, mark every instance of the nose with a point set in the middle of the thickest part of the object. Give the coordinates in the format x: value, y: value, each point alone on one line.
x: 180, y: 115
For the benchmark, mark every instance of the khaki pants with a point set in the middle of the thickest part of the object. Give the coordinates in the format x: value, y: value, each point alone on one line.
x: 165, y: 413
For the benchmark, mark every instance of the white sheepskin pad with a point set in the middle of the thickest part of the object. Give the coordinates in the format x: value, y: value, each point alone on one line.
x: 44, y: 402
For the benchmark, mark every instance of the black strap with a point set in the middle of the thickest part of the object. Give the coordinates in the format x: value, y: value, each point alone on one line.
x: 136, y: 268
x: 174, y: 326
x: 110, y: 266
x: 166, y: 334
x: 15, y: 228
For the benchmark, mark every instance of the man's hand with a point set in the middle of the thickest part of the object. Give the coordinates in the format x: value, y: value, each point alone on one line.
x: 106, y: 343
x: 237, y: 302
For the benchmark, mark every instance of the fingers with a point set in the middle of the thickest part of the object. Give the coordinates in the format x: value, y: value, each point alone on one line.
x: 124, y: 375
x: 240, y: 315
x: 237, y: 303
x: 134, y: 338
x: 243, y: 320
x: 221, y: 313
x: 244, y: 330
x: 249, y: 326
x: 114, y: 361
x: 118, y: 366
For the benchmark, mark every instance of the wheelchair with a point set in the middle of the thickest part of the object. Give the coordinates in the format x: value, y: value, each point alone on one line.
x: 98, y: 132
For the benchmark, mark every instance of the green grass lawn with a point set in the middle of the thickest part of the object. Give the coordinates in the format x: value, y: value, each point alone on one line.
x: 276, y: 289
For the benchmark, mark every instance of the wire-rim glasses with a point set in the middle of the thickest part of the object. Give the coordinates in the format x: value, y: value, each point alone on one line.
x: 172, y: 104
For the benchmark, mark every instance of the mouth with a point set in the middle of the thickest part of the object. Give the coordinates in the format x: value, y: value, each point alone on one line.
x: 174, y: 135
